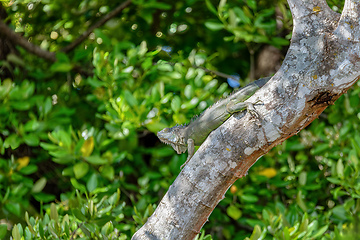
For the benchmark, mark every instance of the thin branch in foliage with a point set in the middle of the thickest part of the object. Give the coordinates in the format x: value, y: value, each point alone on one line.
x: 217, y: 73
x: 34, y: 49
x: 19, y: 40
x: 99, y: 23
x: 73, y: 233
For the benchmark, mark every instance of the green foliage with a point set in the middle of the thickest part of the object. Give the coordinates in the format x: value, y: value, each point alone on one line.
x: 79, y: 217
x: 247, y: 21
x: 70, y: 143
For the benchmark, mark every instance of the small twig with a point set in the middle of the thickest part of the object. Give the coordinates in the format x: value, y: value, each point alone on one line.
x: 221, y: 74
x: 34, y: 49
x: 99, y: 23
x: 73, y: 233
x: 19, y: 40
x: 224, y: 75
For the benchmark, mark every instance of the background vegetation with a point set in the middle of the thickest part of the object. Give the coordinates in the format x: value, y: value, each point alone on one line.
x: 79, y: 156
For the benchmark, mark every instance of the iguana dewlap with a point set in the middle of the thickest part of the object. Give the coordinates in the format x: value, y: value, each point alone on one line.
x: 183, y: 138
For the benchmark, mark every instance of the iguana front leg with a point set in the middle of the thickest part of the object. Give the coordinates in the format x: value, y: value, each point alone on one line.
x: 233, y: 107
x: 191, y: 150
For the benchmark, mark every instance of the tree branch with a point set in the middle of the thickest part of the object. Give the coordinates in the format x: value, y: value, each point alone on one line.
x: 304, y: 9
x: 19, y: 40
x: 8, y: 33
x: 99, y: 23
x: 350, y: 20
x: 319, y: 67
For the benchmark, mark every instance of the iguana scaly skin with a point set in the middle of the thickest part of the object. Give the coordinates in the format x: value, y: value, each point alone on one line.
x: 183, y: 138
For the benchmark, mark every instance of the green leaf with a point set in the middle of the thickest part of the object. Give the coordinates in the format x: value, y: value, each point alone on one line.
x: 334, y: 180
x: 340, y: 169
x: 96, y: 160
x: 179, y: 118
x: 278, y: 42
x: 249, y: 198
x: 65, y: 159
x: 155, y: 126
x: 43, y: 197
x: 320, y: 232
x: 334, y: 117
x: 68, y: 172
x: 157, y: 5
x: 189, y: 91
x: 78, y: 214
x: 176, y: 104
x: 286, y: 234
x: 211, y: 7
x: 81, y: 169
x: 300, y: 201
x: 62, y: 57
x: 12, y: 141
x: 100, y: 34
x: 39, y: 185
x: 29, y: 224
x: 85, y: 230
x: 48, y: 146
x: 222, y: 3
x: 241, y: 15
x: 5, y: 88
x: 190, y: 104
x: 92, y: 183
x: 233, y: 212
x: 356, y: 145
x: 211, y: 85
x: 164, y: 67
x: 251, y: 4
x: 337, y: 192
x: 304, y: 223
x: 353, y: 158
x: 130, y: 99
x: 77, y: 185
x: 312, y: 226
x: 47, y: 105
x: 16, y: 233
x: 319, y: 149
x: 21, y: 106
x: 265, y: 215
x: 138, y: 220
x: 214, y: 25
x: 31, y: 139
x: 256, y: 233
x: 53, y: 213
x: 222, y: 88
x: 65, y: 138
x: 13, y: 208
x: 61, y: 67
x: 339, y: 212
x: 108, y: 172
x: 302, y: 178
x: 31, y: 125
x: 3, y: 231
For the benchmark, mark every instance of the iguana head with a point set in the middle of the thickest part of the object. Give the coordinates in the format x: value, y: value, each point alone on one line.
x: 174, y: 137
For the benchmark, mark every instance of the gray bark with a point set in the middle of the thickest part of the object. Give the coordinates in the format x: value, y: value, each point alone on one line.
x: 321, y: 64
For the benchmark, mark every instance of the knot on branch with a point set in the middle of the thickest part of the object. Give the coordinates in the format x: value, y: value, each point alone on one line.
x: 324, y: 98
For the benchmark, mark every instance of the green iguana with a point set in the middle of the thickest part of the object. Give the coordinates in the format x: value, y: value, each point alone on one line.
x: 183, y: 138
